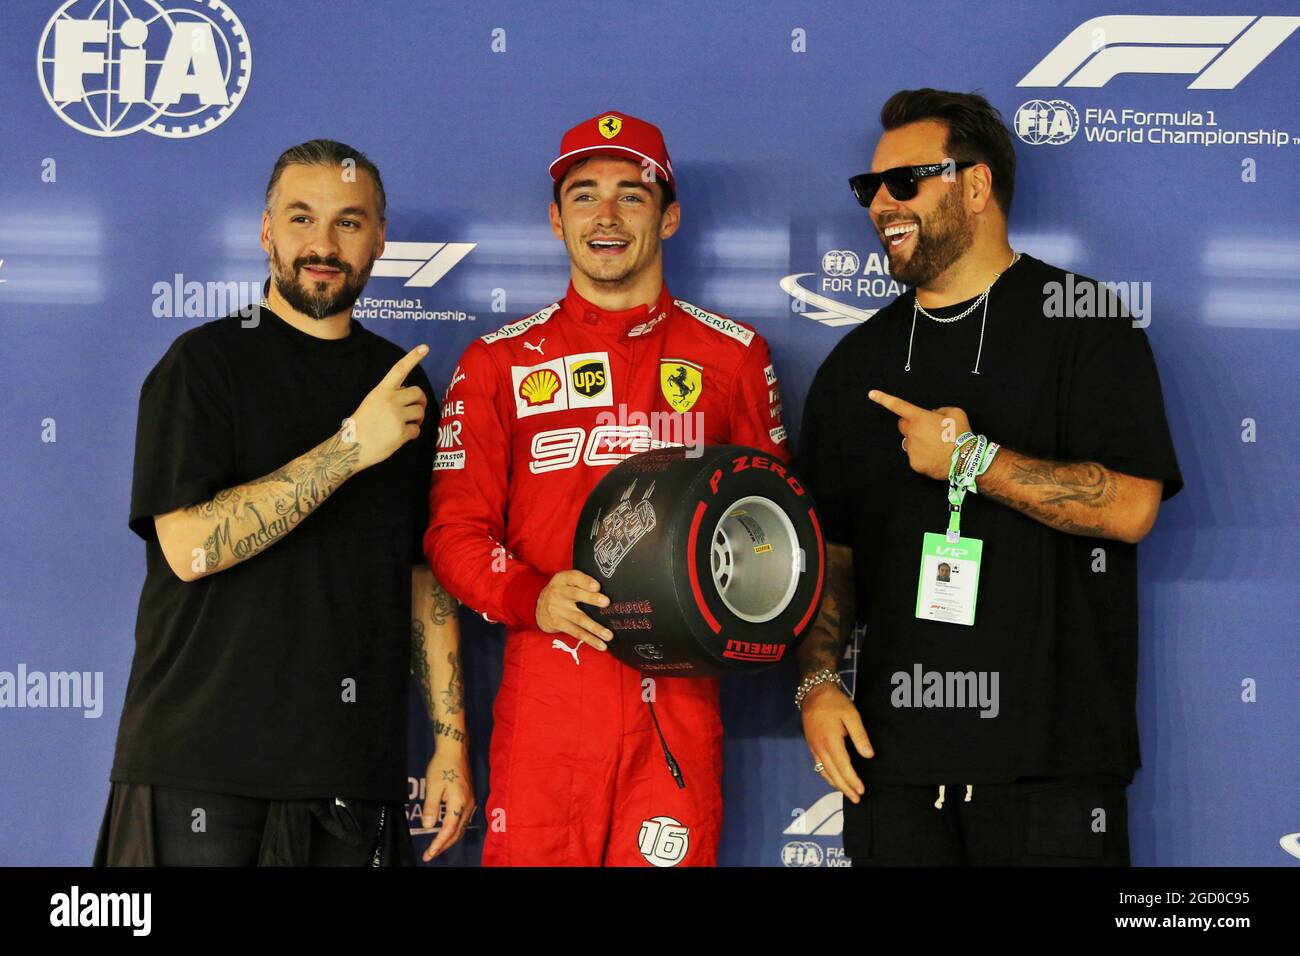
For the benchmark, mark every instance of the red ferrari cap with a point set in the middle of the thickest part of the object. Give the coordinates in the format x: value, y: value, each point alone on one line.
x: 614, y: 133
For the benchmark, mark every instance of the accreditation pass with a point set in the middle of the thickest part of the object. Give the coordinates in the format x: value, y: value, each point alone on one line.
x: 949, y: 579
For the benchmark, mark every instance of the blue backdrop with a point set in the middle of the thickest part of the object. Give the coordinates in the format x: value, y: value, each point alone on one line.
x: 112, y: 202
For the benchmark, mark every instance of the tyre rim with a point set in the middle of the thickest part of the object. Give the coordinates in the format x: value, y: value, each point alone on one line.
x: 755, y: 559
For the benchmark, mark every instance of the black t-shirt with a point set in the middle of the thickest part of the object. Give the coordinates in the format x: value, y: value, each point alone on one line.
x: 1060, y: 632
x: 285, y: 676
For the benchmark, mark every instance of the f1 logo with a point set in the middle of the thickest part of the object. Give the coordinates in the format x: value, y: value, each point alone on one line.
x: 1221, y: 50
x: 421, y: 263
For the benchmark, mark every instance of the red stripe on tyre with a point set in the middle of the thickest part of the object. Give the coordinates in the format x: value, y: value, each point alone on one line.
x: 821, y: 573
x: 693, y: 570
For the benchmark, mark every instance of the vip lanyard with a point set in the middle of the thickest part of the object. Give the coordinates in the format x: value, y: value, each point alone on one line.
x: 970, y: 458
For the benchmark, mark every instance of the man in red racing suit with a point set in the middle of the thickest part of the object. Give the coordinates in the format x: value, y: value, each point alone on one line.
x: 535, y: 414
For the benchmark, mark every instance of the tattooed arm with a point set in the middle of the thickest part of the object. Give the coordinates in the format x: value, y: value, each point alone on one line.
x: 435, y: 662
x: 1082, y: 498
x: 435, y: 656
x: 823, y: 648
x: 245, y: 520
x: 829, y: 715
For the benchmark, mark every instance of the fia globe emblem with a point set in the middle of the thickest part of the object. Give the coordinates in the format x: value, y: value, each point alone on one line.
x: 841, y: 262
x: 113, y: 67
x: 1047, y: 122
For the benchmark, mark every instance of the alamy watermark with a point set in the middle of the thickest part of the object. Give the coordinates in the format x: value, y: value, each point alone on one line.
x: 76, y: 690
x: 631, y: 431
x: 1089, y: 299
x: 207, y: 300
x: 922, y: 688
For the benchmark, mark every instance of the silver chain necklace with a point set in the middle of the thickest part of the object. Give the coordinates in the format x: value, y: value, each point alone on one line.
x: 974, y: 305
x: 983, y: 297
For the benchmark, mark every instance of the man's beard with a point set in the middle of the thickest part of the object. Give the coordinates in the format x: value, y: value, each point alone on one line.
x: 318, y: 302
x: 941, y: 240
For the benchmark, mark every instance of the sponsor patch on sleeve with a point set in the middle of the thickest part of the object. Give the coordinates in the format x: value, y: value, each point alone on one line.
x: 722, y: 324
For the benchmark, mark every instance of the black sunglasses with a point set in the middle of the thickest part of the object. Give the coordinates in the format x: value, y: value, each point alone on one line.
x: 901, y: 181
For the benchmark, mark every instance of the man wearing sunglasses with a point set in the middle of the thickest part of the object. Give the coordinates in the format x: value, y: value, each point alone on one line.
x: 1034, y: 455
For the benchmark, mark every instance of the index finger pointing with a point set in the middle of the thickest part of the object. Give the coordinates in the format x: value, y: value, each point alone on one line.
x: 894, y: 404
x: 397, y: 374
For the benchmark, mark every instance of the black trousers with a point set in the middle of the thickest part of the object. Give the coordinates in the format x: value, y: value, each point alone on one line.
x: 147, y: 825
x: 1068, y: 821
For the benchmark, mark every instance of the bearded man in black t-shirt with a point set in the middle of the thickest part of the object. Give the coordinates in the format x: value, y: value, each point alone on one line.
x: 1002, y: 418
x: 282, y: 466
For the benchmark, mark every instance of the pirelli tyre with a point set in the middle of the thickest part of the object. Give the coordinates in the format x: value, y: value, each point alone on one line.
x: 712, y: 564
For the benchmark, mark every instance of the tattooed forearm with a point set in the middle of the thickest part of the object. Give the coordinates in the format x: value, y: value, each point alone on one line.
x: 1057, y: 482
x: 824, y: 646
x: 1047, y: 516
x: 435, y: 654
x: 251, y: 517
x: 453, y: 698
x: 1082, y: 498
x: 420, y: 666
x: 444, y: 605
x: 447, y: 730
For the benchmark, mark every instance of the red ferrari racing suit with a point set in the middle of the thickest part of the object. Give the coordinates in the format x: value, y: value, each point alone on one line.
x: 535, y: 414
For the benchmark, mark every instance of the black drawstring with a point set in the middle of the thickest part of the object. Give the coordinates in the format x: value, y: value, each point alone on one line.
x: 675, y: 770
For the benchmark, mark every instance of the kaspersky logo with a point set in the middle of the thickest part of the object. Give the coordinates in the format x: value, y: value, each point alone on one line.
x: 421, y: 264
x: 1219, y: 51
x: 114, y: 67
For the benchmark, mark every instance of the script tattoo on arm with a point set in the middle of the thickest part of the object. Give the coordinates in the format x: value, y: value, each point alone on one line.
x: 824, y: 647
x: 447, y: 730
x: 251, y: 517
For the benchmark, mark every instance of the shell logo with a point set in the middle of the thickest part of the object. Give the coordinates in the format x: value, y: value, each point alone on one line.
x: 539, y: 388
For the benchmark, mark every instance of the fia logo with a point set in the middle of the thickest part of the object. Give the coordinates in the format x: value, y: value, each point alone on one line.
x: 109, y: 68
x: 1046, y: 122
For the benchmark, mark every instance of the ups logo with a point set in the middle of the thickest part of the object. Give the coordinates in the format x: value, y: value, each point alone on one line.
x: 589, y: 378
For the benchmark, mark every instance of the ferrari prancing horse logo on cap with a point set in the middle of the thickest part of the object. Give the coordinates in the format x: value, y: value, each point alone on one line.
x: 609, y: 126
x: 681, y: 383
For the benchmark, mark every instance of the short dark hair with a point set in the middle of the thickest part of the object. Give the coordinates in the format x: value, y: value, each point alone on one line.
x: 326, y: 152
x: 975, y: 131
x: 666, y: 194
